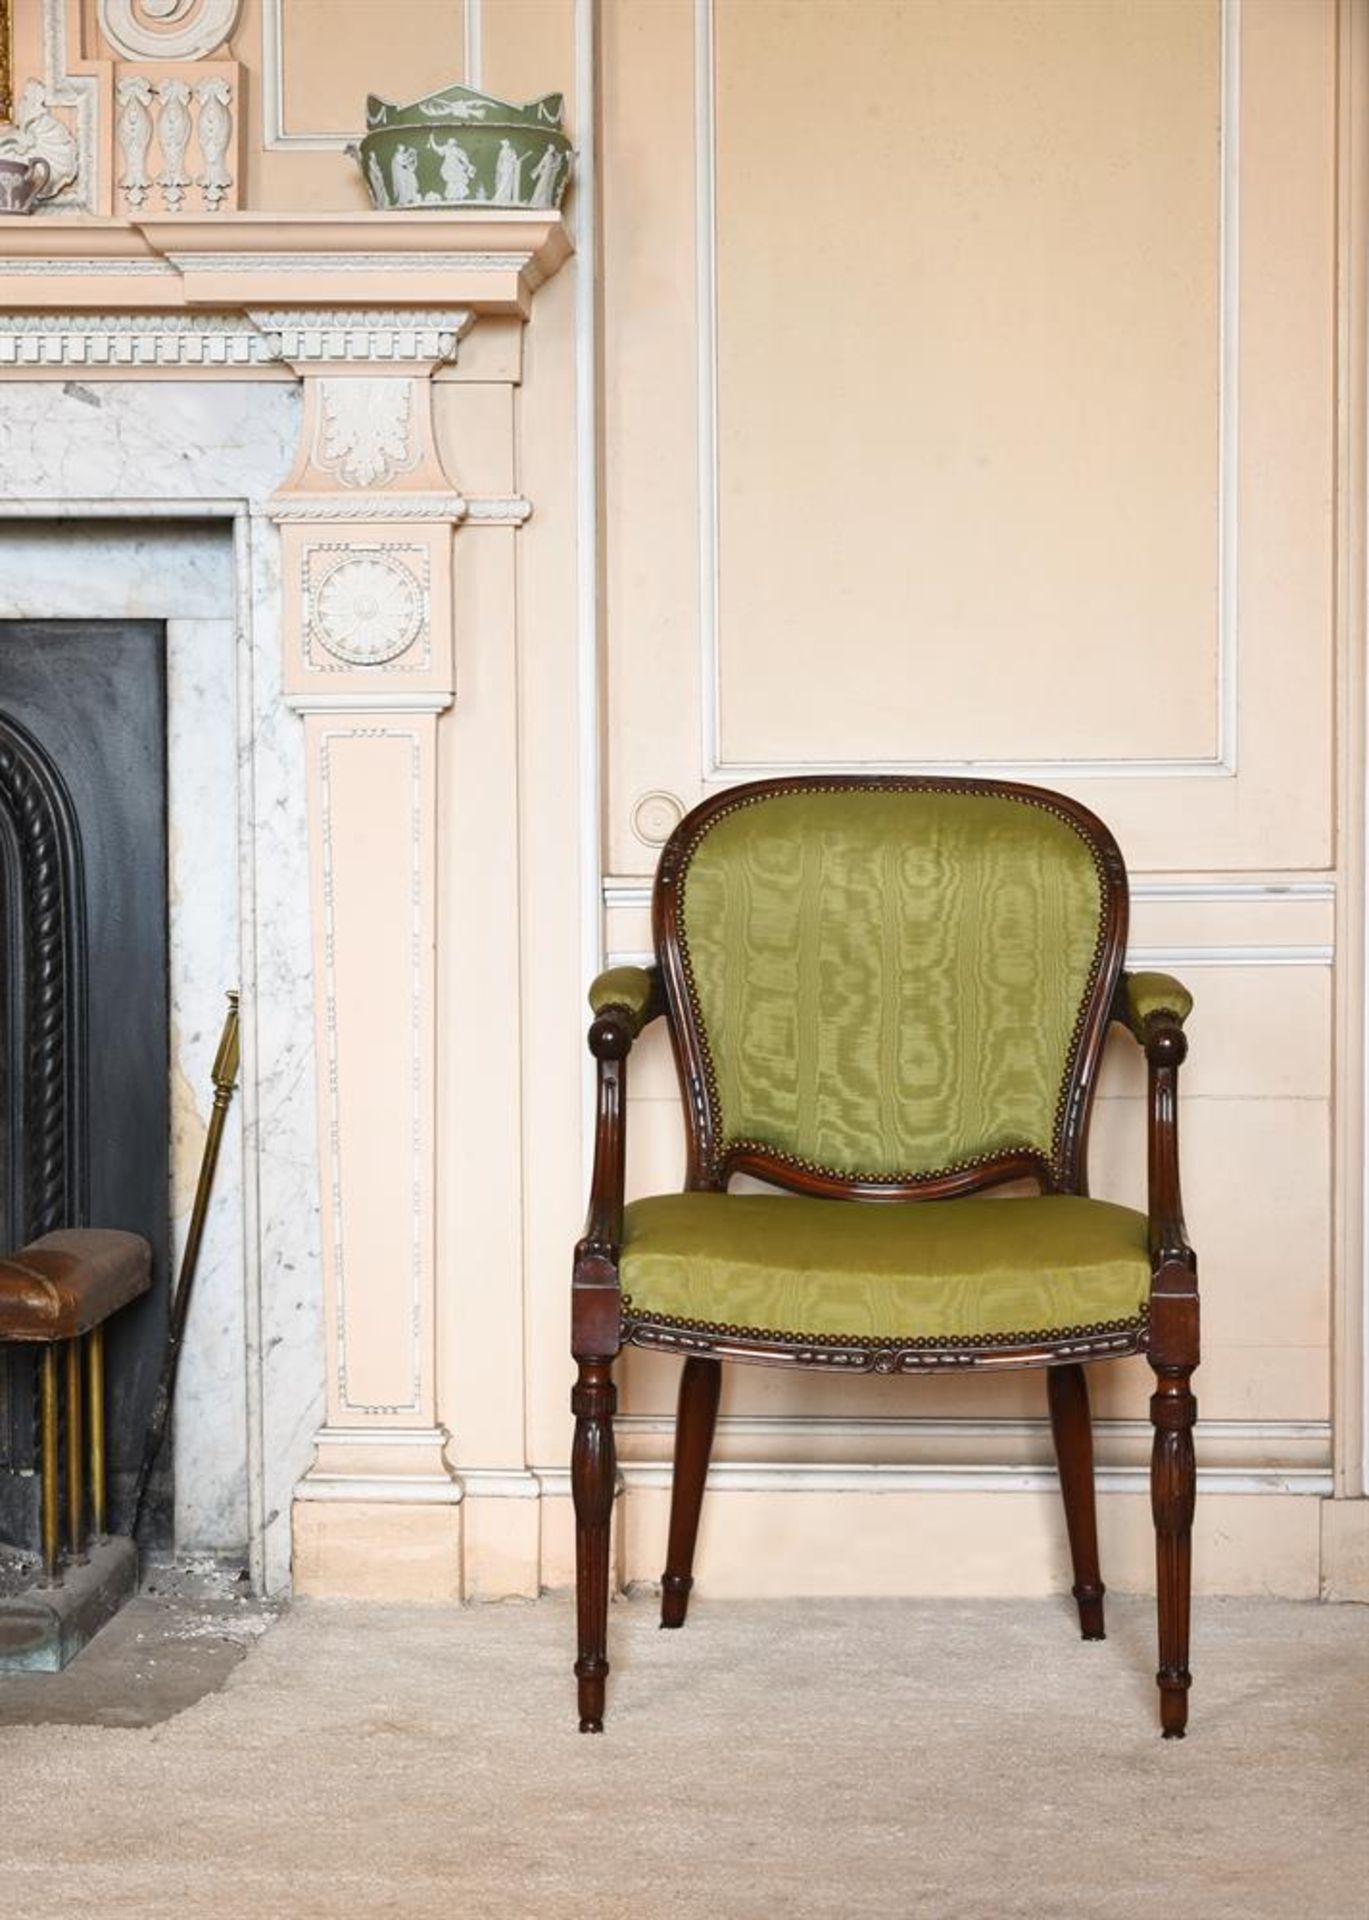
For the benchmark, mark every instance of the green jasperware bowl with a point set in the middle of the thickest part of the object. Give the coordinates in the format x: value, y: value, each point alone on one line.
x: 459, y: 148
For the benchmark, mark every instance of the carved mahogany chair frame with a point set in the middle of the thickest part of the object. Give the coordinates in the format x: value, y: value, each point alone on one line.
x: 603, y: 1322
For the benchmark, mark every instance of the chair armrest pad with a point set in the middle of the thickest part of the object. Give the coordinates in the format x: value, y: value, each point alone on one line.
x: 635, y: 989
x: 1146, y: 994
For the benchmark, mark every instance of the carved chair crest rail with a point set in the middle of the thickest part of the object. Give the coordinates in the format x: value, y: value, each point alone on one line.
x: 882, y: 993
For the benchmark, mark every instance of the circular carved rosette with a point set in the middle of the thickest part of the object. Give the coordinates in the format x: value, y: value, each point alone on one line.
x: 366, y: 609
x: 656, y: 816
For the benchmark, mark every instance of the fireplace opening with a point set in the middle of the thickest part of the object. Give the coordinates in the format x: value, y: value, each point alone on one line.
x: 84, y: 1029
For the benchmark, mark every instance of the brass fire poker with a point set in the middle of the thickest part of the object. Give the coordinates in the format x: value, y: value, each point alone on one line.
x: 225, y: 1077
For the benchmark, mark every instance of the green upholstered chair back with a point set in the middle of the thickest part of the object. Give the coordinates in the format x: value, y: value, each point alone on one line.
x: 889, y: 983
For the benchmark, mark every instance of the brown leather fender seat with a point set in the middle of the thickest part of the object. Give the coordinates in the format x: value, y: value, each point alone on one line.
x: 68, y: 1282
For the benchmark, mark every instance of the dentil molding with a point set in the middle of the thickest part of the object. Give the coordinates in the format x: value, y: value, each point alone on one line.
x: 267, y: 339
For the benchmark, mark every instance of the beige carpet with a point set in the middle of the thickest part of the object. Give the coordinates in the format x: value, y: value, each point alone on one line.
x: 830, y: 1758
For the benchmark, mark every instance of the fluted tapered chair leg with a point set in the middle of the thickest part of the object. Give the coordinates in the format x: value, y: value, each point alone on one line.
x: 1173, y: 1487
x: 1068, y: 1393
x: 700, y: 1384
x: 593, y: 1471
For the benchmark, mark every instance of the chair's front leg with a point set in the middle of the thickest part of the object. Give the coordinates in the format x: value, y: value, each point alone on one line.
x: 593, y: 1473
x: 700, y: 1385
x: 1173, y: 1486
x: 1067, y: 1392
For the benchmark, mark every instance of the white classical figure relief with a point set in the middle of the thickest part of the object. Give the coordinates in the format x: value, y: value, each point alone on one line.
x: 404, y: 175
x: 134, y: 128
x: 364, y: 436
x: 173, y: 136
x: 508, y: 172
x: 37, y: 134
x: 544, y: 177
x: 366, y: 609
x: 380, y: 193
x: 454, y: 109
x: 214, y: 96
x: 167, y: 29
x: 458, y: 170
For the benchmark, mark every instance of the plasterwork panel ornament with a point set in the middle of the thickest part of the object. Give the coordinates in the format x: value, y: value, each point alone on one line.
x: 76, y: 94
x: 656, y: 816
x: 364, y: 436
x: 366, y: 605
x: 38, y: 134
x: 167, y: 29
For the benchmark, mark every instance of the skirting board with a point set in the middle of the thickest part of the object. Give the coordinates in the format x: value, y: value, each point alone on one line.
x: 772, y: 1529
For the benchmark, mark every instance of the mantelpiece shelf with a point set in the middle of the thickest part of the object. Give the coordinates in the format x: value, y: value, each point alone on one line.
x: 485, y: 260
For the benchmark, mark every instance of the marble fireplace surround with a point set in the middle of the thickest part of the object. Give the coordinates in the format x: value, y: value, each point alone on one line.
x: 310, y: 640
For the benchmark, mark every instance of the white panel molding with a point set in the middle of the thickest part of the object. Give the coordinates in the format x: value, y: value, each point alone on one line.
x: 630, y: 893
x: 404, y: 1489
x: 1138, y: 959
x: 475, y: 42
x: 80, y: 93
x: 626, y: 891
x: 905, y: 1427
x: 1271, y: 892
x: 588, y: 566
x: 1246, y: 954
x: 1222, y: 762
x: 778, y: 1476
x: 500, y: 1483
x: 274, y: 136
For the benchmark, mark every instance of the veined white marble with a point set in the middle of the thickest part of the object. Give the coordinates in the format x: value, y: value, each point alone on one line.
x: 128, y: 570
x: 152, y: 440
x: 287, y: 1405
x: 202, y: 834
x: 251, y: 1392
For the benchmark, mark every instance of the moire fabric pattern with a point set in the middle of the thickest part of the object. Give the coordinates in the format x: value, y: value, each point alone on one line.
x: 1149, y: 993
x: 628, y: 987
x: 908, y: 1270
x: 890, y: 982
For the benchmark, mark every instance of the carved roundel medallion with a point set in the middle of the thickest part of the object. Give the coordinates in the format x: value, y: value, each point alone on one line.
x: 367, y: 609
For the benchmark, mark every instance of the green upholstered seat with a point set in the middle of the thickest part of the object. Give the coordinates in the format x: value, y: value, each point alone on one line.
x: 966, y: 1270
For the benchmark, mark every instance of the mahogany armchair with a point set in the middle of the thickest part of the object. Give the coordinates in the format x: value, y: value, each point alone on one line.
x: 884, y: 993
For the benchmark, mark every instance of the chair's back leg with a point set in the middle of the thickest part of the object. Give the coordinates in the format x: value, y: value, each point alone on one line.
x: 1068, y: 1393
x: 593, y: 1473
x: 694, y: 1423
x: 1173, y: 1485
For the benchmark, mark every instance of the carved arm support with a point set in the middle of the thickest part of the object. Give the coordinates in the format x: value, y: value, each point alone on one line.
x: 623, y: 1000
x: 1155, y: 1007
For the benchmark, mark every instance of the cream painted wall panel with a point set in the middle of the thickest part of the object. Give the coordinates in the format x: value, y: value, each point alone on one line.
x: 1274, y: 813
x: 1004, y: 465
x: 480, y: 1325
x: 334, y: 55
x: 650, y: 471
x: 527, y: 50
x: 816, y: 1543
x: 1257, y: 1198
x: 1255, y: 1033
x: 1234, y: 1383
x: 554, y: 1014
